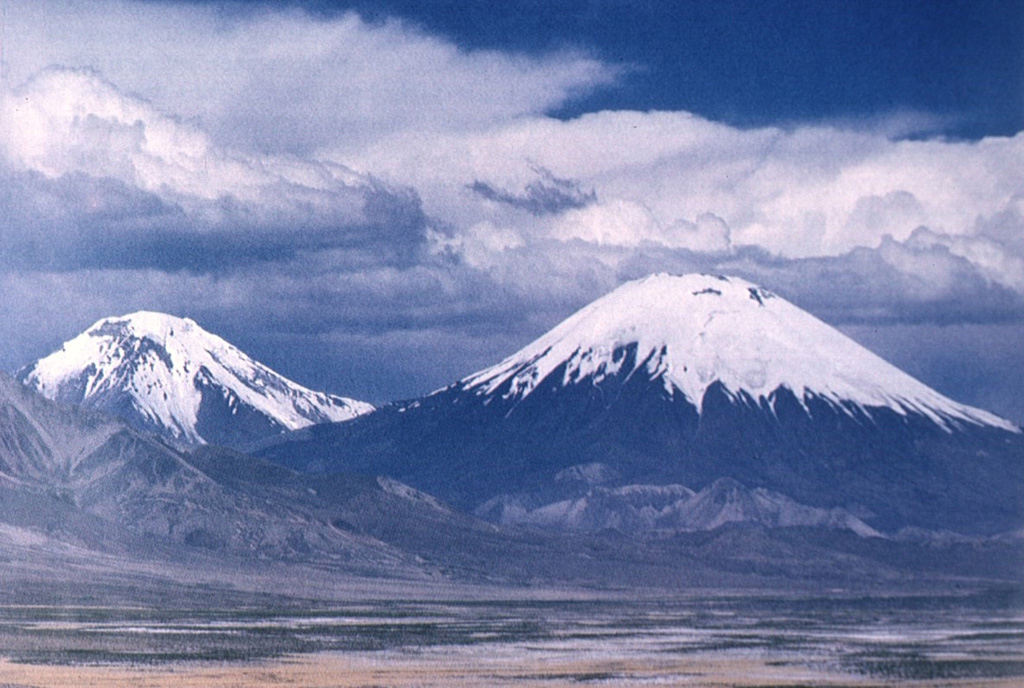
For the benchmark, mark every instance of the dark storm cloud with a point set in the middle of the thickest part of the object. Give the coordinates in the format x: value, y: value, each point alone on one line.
x: 76, y: 221
x: 894, y: 283
x: 867, y: 286
x: 547, y: 195
x: 59, y: 224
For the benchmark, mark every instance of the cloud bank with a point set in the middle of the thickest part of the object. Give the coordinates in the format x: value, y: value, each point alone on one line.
x: 928, y: 230
x: 345, y: 198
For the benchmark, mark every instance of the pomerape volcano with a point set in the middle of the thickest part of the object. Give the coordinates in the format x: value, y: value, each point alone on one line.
x: 170, y: 376
x: 686, y: 380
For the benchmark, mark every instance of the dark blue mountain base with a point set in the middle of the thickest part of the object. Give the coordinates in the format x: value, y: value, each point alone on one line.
x: 893, y: 471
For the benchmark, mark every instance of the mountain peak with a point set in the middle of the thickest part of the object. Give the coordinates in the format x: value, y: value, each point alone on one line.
x: 168, y: 374
x: 148, y: 323
x: 691, y: 331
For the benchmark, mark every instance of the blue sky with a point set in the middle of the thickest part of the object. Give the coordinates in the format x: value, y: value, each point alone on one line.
x: 379, y: 197
x: 758, y: 62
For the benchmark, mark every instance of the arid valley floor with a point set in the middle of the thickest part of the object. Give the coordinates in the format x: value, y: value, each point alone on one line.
x: 972, y: 638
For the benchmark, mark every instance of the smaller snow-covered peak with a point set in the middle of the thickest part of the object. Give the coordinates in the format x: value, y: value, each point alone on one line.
x: 691, y: 331
x: 165, y: 373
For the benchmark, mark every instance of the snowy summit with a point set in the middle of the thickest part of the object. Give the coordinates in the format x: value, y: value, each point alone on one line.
x: 169, y: 375
x: 692, y: 331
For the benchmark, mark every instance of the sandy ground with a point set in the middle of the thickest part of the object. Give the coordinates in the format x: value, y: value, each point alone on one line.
x: 457, y: 669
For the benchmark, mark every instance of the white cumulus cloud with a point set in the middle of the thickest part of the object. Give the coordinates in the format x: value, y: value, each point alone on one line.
x: 678, y: 181
x: 65, y: 121
x: 286, y: 81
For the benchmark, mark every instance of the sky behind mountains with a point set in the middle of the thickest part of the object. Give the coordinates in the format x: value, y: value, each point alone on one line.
x: 377, y: 198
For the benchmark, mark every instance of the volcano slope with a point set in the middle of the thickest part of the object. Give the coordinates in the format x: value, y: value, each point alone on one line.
x: 679, y: 382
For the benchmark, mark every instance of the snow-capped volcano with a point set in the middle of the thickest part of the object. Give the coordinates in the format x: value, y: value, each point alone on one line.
x: 169, y: 375
x: 686, y: 380
x: 689, y: 332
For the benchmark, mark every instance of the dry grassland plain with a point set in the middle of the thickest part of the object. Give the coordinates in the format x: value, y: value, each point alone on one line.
x: 457, y: 669
x: 974, y: 640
